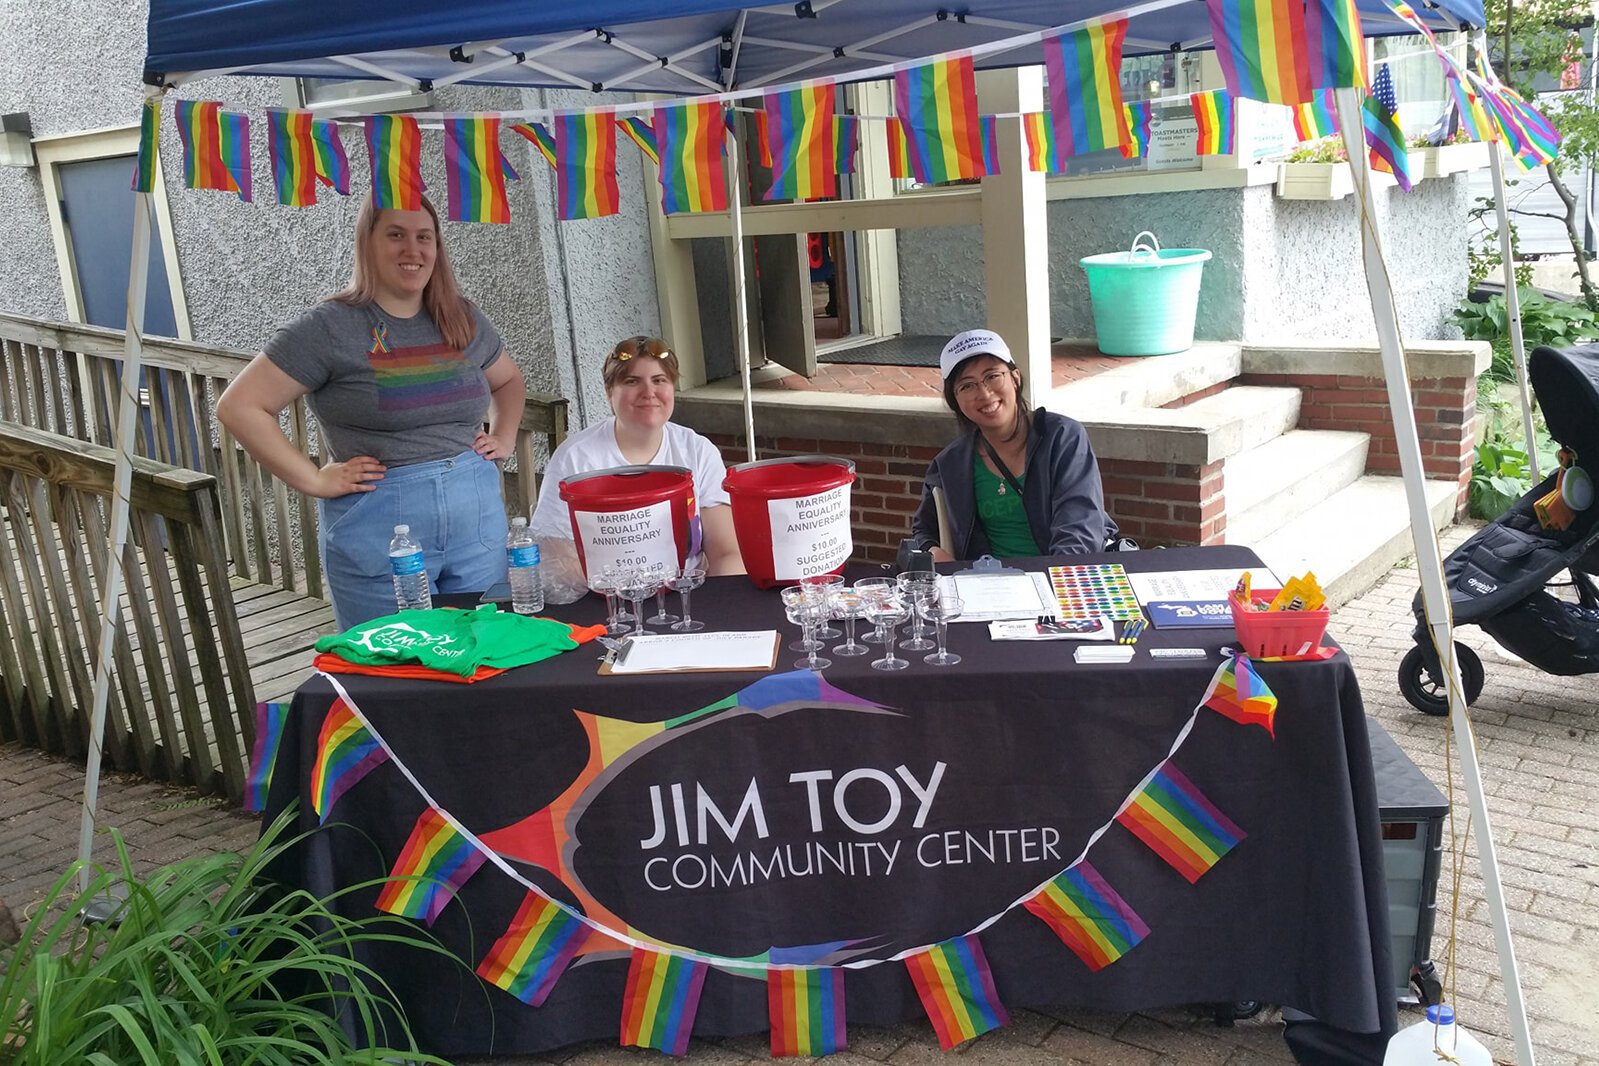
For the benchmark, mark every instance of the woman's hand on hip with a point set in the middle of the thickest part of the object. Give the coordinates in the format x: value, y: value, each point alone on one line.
x: 353, y: 475
x: 491, y: 447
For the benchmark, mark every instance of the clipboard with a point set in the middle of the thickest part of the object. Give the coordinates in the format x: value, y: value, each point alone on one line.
x: 660, y: 653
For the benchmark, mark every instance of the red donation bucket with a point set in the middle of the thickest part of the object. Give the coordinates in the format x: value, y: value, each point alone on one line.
x: 633, y: 514
x: 792, y: 516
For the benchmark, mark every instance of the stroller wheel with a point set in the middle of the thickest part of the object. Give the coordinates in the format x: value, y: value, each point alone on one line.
x: 1430, y: 695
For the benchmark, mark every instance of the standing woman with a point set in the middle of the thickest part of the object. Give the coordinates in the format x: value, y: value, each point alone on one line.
x: 401, y: 370
x: 1015, y: 483
x: 640, y: 378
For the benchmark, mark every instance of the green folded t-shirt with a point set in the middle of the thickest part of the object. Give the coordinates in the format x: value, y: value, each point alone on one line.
x: 454, y: 641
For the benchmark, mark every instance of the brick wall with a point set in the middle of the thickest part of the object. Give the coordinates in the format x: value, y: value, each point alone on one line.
x: 1165, y: 503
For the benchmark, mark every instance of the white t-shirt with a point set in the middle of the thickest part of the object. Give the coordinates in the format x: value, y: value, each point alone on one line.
x: 595, y: 448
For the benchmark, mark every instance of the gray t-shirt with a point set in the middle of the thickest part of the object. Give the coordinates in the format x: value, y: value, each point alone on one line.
x: 388, y: 387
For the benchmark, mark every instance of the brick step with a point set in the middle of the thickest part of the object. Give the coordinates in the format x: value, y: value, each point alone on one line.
x: 1149, y: 383
x: 1278, y: 480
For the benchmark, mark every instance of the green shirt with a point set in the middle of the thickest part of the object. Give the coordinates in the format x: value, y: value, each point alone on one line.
x: 456, y: 641
x: 1001, y: 513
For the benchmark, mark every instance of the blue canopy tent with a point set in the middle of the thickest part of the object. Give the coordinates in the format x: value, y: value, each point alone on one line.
x: 712, y: 48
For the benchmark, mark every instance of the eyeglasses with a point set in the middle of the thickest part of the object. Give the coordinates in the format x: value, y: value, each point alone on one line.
x: 989, y: 382
x: 636, y: 347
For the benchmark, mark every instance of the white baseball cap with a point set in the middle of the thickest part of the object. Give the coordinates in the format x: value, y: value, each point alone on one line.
x: 963, y: 346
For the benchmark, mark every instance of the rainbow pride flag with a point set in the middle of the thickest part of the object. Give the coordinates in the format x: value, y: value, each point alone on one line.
x: 1262, y: 48
x: 235, y: 129
x: 1085, y: 93
x: 1386, y: 141
x: 1214, y: 113
x: 585, y: 165
x: 957, y: 990
x: 1317, y: 117
x: 898, y: 154
x: 990, y: 127
x: 346, y: 751
x: 806, y: 1008
x: 200, y: 130
x: 1040, y: 137
x: 474, y: 174
x: 690, y: 138
x: 264, y: 753
x: 394, y: 147
x: 1179, y: 824
x: 1333, y: 42
x: 661, y: 999
x: 799, y: 128
x: 435, y: 862
x: 638, y: 130
x: 534, y: 951
x: 1089, y: 916
x: 1468, y: 105
x: 149, y: 145
x: 1531, y: 139
x: 937, y: 108
x: 846, y: 140
x: 1238, y: 692
x: 292, y: 151
x: 1140, y: 120
x: 539, y: 137
x: 332, y: 165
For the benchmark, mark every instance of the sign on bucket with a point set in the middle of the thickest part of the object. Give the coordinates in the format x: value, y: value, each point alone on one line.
x: 792, y: 516
x: 633, y: 516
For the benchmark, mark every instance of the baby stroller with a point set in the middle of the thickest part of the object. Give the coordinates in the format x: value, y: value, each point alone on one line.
x: 1496, y: 580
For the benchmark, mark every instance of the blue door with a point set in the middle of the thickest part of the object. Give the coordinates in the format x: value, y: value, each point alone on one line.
x: 97, y: 210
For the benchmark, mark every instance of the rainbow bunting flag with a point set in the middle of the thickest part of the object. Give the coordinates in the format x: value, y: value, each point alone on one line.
x: 292, y: 151
x: 638, y: 130
x: 1386, y: 141
x: 539, y: 137
x: 1316, y: 118
x: 332, y: 165
x: 149, y: 143
x: 264, y: 753
x: 990, y: 127
x: 898, y: 155
x: 394, y: 147
x: 799, y: 132
x: 846, y: 139
x: 1088, y: 915
x: 435, y: 862
x: 1213, y: 111
x: 1262, y: 48
x: 1532, y: 141
x: 937, y: 108
x: 474, y: 172
x: 1040, y: 137
x: 957, y: 990
x: 1333, y: 42
x: 200, y: 130
x: 690, y: 138
x: 806, y: 1008
x: 236, y: 151
x: 1238, y: 692
x: 1085, y: 94
x: 533, y: 953
x: 1179, y: 824
x: 346, y: 751
x: 585, y: 165
x: 1140, y: 120
x: 1468, y: 105
x: 661, y: 998
x: 763, y: 138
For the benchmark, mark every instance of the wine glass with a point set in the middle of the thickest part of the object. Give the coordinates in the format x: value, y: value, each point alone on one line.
x: 943, y: 609
x: 683, y: 582
x: 635, y: 584
x: 791, y: 596
x: 603, y: 582
x: 810, y: 612
x: 917, y: 588
x: 828, y: 582
x: 661, y: 617
x: 871, y: 588
x: 848, y: 605
x: 887, y: 612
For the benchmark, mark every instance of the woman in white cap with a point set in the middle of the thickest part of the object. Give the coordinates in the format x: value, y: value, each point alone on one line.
x: 1016, y: 482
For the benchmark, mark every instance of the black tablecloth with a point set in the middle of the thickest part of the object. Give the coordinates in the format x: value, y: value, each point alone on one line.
x: 1037, y: 752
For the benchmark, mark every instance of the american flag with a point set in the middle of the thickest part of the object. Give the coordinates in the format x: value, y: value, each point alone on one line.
x: 1382, y: 87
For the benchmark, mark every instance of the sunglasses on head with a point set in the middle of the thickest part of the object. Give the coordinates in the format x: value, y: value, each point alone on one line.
x: 635, y: 347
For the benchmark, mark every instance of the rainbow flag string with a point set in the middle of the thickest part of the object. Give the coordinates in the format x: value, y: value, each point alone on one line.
x: 534, y: 951
x: 957, y: 990
x: 800, y: 131
x: 1040, y: 136
x: 1386, y: 141
x: 1140, y: 121
x: 639, y: 131
x: 846, y: 140
x: 1317, y: 117
x: 1238, y: 692
x: 436, y: 861
x: 1333, y: 42
x: 690, y: 139
x: 292, y: 151
x: 1213, y: 111
x: 1179, y: 824
x: 1085, y: 96
x: 990, y: 128
x: 149, y: 146
x: 474, y: 173
x: 1532, y: 141
x: 200, y: 130
x: 937, y: 107
x: 661, y: 999
x: 539, y: 137
x: 394, y: 148
x: 1468, y: 105
x: 1089, y: 916
x: 585, y: 165
x: 898, y: 154
x: 346, y: 751
x: 332, y: 164
x: 269, y: 718
x: 806, y: 1008
x: 235, y: 140
x: 1262, y: 48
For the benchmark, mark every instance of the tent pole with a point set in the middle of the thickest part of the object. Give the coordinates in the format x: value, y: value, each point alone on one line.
x: 741, y: 318
x: 1429, y: 565
x: 111, y: 591
x: 1518, y: 346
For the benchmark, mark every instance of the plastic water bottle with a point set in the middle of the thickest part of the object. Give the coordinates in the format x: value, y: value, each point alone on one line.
x: 1414, y: 1046
x: 410, y: 572
x: 522, y: 555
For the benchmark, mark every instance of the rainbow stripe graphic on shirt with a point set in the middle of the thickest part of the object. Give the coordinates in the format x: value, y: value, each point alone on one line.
x: 421, y: 376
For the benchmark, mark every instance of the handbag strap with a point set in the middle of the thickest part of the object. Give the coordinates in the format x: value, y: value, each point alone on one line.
x: 1004, y: 471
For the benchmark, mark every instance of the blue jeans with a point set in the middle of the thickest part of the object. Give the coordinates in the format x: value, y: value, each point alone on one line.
x: 455, y: 512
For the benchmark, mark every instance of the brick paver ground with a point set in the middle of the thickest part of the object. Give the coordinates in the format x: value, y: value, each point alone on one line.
x: 1538, y: 737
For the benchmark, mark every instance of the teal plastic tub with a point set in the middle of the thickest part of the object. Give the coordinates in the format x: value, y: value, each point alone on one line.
x: 1145, y: 300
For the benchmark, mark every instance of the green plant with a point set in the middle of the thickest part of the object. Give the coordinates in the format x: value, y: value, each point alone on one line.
x: 1326, y: 150
x: 1498, y: 477
x: 207, y: 961
x: 1556, y: 323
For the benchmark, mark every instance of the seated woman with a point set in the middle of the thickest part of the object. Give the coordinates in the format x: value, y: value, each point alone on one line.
x: 640, y: 378
x: 1015, y: 483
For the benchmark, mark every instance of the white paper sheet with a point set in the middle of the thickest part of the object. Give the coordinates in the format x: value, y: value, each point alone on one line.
x: 657, y: 652
x: 998, y: 597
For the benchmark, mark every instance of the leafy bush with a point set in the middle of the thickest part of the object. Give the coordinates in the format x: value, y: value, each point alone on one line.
x: 1556, y: 323
x: 1498, y: 478
x: 207, y: 961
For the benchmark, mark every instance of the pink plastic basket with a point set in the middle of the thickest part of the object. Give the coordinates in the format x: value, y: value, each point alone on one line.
x: 1276, y: 634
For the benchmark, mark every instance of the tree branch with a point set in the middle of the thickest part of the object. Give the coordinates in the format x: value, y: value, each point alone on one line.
x: 1589, y: 296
